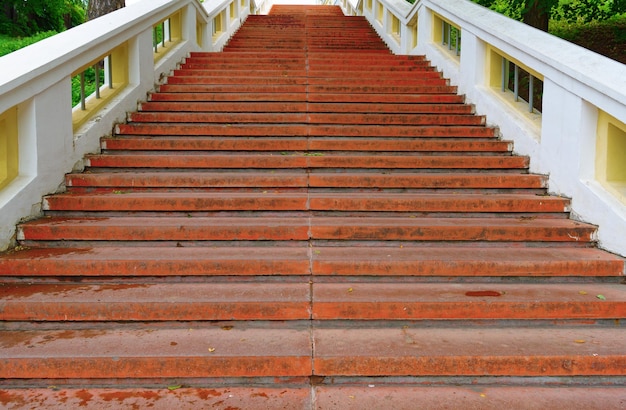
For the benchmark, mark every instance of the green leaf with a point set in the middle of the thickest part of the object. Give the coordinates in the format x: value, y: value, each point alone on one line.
x: 601, y: 297
x: 175, y: 387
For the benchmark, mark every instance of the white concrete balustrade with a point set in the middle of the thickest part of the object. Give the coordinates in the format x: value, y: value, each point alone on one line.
x: 579, y: 139
x: 42, y: 137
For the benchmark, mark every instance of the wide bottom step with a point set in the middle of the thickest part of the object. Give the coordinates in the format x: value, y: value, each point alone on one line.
x: 324, y: 397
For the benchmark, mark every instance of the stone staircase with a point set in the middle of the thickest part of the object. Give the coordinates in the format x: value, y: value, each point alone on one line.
x: 308, y: 221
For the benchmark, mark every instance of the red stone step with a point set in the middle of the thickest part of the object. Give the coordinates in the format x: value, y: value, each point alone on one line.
x: 330, y: 160
x: 233, y: 88
x: 193, y: 143
x: 156, y: 352
x: 155, y: 302
x: 241, y: 76
x: 410, y: 202
x: 465, y: 261
x: 287, y: 159
x: 425, y: 180
x: 444, y: 98
x: 369, y: 89
x: 247, y: 130
x: 246, y: 106
x: 208, y: 56
x: 390, y: 131
x: 414, y: 350
x: 451, y: 229
x: 227, y: 82
x: 302, y: 117
x: 167, y: 228
x: 243, y: 83
x: 190, y: 179
x: 230, y: 107
x: 421, y: 79
x: 229, y: 97
x: 177, y: 201
x: 157, y: 261
x: 198, y: 160
x: 466, y: 301
x: 305, y: 228
x: 295, y: 201
x: 409, y: 145
x: 298, y: 178
x: 281, y: 130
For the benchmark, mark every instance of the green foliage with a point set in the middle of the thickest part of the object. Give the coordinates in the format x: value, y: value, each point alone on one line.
x: 586, y: 11
x: 572, y: 11
x: 510, y: 8
x: 20, y: 18
x: 10, y: 44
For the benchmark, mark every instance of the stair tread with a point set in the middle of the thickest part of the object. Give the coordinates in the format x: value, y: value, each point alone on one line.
x: 414, y: 350
x: 466, y: 261
x: 190, y: 143
x: 305, y: 228
x: 271, y: 200
x: 286, y: 351
x: 157, y: 261
x: 418, y: 301
x: 296, y: 177
x: 303, y: 160
x: 192, y: 351
x: 292, y: 301
x: 300, y: 260
x: 156, y: 302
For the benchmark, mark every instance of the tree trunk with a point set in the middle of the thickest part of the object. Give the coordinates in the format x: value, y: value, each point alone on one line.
x: 99, y: 8
x: 537, y: 16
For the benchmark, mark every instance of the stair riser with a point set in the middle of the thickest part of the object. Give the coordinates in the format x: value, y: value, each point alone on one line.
x: 291, y: 202
x: 310, y: 118
x: 301, y: 144
x: 297, y: 161
x: 471, y: 366
x: 153, y: 367
x: 205, y: 144
x: 216, y: 232
x: 313, y: 98
x: 265, y: 107
x: 279, y: 130
x: 406, y: 310
x: 299, y: 180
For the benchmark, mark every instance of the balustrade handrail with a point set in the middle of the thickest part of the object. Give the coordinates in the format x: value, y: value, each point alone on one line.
x: 50, y: 60
x: 45, y: 136
x: 583, y: 97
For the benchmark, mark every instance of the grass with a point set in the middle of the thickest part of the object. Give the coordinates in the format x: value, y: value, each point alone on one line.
x: 10, y: 44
